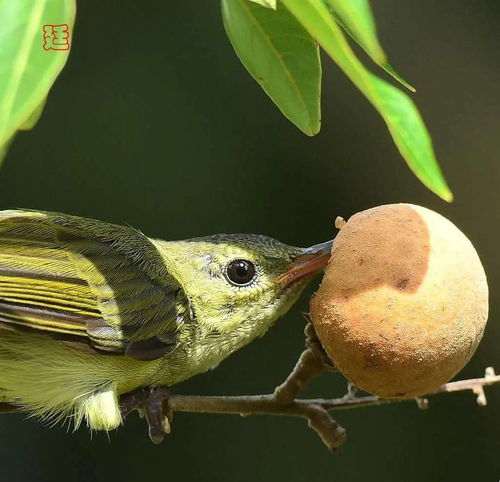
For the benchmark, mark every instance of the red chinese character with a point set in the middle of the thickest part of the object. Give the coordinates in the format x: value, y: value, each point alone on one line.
x: 56, y: 37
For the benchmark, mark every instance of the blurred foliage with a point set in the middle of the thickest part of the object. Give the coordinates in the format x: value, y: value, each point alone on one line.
x: 276, y: 42
x: 277, y: 52
x: 281, y: 56
x: 28, y: 70
x: 355, y: 17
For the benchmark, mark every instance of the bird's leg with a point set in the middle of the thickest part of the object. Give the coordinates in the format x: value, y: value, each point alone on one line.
x: 158, y: 416
x: 131, y: 401
x: 153, y: 403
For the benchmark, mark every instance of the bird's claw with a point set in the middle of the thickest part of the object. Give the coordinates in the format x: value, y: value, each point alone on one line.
x: 152, y: 403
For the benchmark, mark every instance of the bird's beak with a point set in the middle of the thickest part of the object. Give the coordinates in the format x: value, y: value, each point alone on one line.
x: 308, y: 263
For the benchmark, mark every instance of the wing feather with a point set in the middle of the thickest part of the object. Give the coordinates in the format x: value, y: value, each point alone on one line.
x: 80, y: 277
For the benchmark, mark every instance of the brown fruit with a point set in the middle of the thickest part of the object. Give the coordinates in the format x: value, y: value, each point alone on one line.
x: 403, y: 303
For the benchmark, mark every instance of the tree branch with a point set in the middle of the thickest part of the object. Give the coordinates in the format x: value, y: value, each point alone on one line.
x: 314, y: 410
x: 312, y: 363
x: 284, y: 402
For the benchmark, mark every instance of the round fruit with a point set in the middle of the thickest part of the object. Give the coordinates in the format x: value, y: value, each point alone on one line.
x: 403, y: 303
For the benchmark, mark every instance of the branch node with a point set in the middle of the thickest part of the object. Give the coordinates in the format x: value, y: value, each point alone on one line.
x: 481, y: 396
x: 340, y: 222
x: 352, y: 392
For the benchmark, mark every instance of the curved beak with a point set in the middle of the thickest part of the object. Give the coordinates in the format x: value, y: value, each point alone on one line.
x: 307, y: 264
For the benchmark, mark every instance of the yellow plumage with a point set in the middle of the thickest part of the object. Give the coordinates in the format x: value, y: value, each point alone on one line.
x: 90, y: 311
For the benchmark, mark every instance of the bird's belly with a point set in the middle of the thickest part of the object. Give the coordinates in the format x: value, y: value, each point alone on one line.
x: 41, y: 371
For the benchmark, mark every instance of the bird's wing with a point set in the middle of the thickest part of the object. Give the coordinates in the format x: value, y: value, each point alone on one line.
x: 85, y: 280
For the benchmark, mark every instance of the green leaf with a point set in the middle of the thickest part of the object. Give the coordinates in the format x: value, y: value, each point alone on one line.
x: 356, y: 18
x: 28, y: 124
x: 27, y: 71
x: 34, y: 117
x: 390, y: 70
x: 266, y: 3
x: 410, y: 134
x: 4, y: 149
x: 400, y: 114
x: 281, y: 56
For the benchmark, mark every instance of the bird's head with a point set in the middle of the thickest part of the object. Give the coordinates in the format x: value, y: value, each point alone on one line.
x: 242, y: 281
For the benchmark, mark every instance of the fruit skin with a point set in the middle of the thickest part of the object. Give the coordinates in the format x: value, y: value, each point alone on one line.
x: 403, y: 303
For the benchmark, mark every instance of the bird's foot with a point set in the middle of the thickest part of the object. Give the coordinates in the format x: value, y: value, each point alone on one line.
x: 152, y: 403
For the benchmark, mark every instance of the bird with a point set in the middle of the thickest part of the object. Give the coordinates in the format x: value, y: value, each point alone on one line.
x: 93, y: 312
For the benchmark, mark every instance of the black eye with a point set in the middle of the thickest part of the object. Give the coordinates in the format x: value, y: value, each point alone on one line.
x: 240, y: 272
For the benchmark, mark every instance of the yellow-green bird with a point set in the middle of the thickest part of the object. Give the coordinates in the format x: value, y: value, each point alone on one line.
x: 90, y: 311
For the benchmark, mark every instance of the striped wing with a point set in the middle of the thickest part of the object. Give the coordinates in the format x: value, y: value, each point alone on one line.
x: 86, y: 281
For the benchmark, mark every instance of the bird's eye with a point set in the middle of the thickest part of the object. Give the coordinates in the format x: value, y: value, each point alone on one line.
x: 240, y: 272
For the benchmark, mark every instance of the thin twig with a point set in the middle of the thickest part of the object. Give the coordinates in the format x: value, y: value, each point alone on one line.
x: 314, y: 410
x: 284, y: 402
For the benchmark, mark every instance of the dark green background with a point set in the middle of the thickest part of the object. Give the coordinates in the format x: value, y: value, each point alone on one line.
x: 155, y: 123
